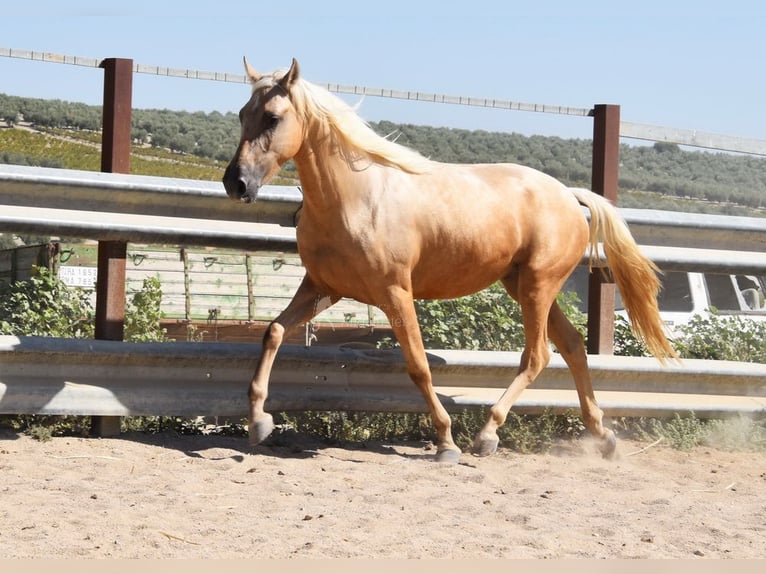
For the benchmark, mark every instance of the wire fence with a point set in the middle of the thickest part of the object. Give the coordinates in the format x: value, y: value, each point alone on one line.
x: 336, y: 88
x: 629, y: 130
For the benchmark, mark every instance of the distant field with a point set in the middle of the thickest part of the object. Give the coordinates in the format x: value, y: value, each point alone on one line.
x: 80, y: 149
x: 75, y: 149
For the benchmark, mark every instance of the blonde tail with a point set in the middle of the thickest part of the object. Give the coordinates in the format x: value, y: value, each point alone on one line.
x: 634, y: 274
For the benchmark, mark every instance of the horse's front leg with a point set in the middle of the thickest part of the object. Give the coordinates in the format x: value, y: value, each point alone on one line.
x: 306, y: 303
x: 400, y: 310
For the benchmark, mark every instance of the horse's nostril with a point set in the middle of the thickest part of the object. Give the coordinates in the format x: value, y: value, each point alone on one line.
x: 233, y: 183
x: 241, y: 188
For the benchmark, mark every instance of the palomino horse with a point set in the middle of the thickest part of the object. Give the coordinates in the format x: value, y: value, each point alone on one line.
x: 383, y: 225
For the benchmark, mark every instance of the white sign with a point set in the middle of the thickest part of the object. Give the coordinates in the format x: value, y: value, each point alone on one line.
x: 78, y: 276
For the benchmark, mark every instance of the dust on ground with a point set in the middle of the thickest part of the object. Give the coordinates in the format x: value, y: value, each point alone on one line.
x: 174, y: 496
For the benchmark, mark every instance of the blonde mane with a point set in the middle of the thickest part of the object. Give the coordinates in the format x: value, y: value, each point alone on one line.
x: 349, y: 132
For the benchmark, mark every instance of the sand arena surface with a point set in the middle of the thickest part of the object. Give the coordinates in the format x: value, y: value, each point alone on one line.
x: 171, y: 496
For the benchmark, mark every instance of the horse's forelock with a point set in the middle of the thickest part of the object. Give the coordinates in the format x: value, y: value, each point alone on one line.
x: 266, y: 81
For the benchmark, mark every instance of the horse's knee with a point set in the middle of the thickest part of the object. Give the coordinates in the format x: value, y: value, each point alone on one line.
x: 420, y: 375
x: 536, y: 359
x: 273, y: 336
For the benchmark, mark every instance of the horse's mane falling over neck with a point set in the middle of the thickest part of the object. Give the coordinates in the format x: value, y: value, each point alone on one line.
x: 357, y: 142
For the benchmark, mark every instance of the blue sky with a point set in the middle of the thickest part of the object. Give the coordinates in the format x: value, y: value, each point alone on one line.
x: 696, y: 65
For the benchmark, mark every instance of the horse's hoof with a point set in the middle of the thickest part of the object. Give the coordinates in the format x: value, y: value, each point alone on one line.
x: 608, y: 445
x: 448, y: 455
x: 260, y: 430
x: 485, y: 446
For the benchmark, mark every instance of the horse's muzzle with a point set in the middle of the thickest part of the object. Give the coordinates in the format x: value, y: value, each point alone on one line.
x: 239, y: 187
x: 244, y: 193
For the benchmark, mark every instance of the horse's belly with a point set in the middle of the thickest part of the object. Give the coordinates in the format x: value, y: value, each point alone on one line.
x: 457, y: 276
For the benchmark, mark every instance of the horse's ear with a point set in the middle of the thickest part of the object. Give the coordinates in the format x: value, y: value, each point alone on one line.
x: 250, y: 71
x: 290, y: 77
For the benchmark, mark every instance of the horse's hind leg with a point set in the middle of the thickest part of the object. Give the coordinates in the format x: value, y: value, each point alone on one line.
x: 570, y: 344
x: 305, y: 304
x: 535, y: 298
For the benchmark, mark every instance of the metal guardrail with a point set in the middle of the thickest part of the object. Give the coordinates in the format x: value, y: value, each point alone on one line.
x: 110, y: 378
x: 108, y: 207
x: 143, y: 209
x: 105, y: 378
x: 678, y: 229
x: 142, y: 195
x: 149, y: 229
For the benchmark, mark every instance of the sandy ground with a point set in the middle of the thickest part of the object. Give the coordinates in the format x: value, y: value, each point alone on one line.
x: 170, y: 496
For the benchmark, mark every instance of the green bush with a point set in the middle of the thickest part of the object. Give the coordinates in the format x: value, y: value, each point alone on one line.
x: 143, y: 314
x: 626, y: 344
x: 737, y: 433
x: 44, y: 306
x: 488, y: 320
x: 723, y: 339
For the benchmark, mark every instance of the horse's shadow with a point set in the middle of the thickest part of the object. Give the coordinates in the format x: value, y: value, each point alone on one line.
x: 284, y: 445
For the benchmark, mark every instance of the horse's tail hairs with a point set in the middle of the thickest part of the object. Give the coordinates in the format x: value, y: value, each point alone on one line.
x: 635, y: 274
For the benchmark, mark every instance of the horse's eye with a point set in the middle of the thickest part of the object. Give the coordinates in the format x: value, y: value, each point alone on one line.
x: 270, y: 121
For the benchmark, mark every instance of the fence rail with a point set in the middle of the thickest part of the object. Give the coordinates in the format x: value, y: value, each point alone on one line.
x: 694, y: 138
x: 143, y: 209
x: 630, y: 130
x: 110, y: 378
x: 107, y: 377
x: 356, y: 90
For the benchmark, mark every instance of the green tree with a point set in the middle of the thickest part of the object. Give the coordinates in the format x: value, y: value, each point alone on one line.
x: 650, y: 176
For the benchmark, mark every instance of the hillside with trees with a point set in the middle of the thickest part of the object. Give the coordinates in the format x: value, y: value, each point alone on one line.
x: 197, y: 146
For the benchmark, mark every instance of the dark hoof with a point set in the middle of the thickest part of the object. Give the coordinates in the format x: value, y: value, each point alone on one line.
x: 608, y: 445
x: 485, y: 446
x: 260, y: 430
x: 449, y: 456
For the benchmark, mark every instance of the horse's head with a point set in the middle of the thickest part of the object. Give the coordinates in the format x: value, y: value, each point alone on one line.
x: 272, y: 133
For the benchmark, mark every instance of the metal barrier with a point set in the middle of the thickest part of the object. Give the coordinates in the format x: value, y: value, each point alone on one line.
x: 113, y: 378
x: 91, y: 191
x: 95, y: 377
x: 143, y: 209
x: 110, y: 378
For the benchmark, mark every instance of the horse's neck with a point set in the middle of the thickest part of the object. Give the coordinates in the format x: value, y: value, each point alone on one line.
x: 327, y: 181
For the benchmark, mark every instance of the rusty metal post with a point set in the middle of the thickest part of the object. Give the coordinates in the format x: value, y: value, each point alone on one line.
x: 605, y: 171
x: 115, y: 158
